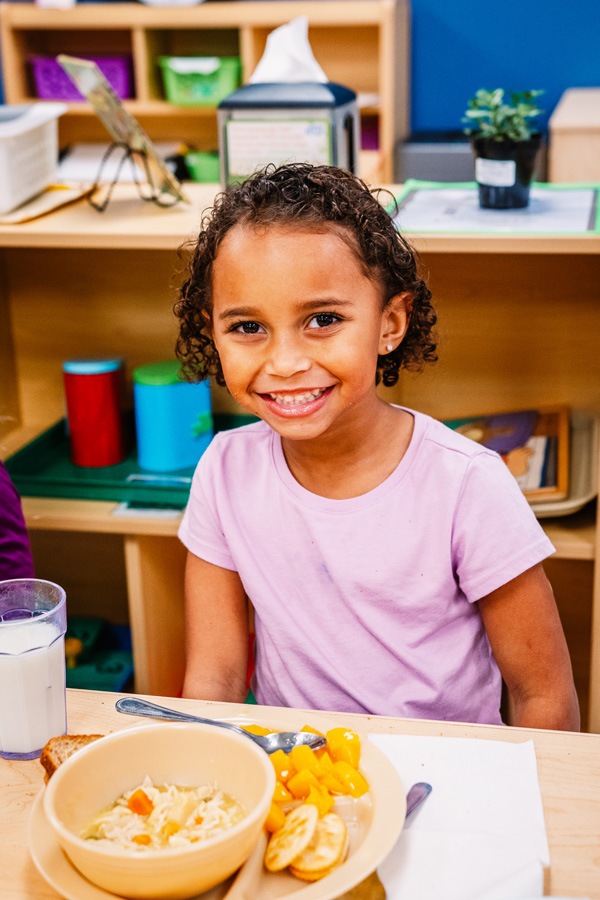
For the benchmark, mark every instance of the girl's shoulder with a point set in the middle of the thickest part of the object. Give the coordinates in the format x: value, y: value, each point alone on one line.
x: 238, y: 447
x: 234, y: 459
x: 440, y: 436
x: 243, y: 436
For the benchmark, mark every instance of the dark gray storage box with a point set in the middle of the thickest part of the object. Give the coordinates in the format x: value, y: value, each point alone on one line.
x: 444, y: 156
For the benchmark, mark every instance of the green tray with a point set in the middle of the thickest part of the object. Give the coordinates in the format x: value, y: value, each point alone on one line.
x: 43, y: 469
x: 108, y: 670
x: 106, y: 660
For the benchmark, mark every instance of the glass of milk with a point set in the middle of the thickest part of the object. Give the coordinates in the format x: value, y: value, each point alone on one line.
x: 33, y: 621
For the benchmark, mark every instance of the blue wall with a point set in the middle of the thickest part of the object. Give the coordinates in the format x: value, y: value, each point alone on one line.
x: 459, y: 46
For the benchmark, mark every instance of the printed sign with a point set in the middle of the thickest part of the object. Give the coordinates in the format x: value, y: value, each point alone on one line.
x: 253, y: 144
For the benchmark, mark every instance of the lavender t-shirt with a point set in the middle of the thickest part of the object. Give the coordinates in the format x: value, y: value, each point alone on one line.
x: 368, y: 605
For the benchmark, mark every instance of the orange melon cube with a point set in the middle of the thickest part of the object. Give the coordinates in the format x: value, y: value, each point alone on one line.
x: 300, y: 783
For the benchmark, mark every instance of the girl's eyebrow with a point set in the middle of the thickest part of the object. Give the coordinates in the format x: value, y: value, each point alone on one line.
x: 309, y: 305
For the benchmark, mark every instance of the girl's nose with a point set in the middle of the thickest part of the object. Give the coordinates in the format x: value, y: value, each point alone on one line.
x: 286, y: 357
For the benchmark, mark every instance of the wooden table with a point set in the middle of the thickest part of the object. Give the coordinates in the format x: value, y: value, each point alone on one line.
x: 519, y: 323
x: 568, y: 767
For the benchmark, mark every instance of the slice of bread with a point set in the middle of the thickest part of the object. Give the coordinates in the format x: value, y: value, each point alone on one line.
x: 61, y: 747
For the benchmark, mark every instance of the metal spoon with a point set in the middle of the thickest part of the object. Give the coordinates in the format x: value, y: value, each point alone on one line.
x: 281, y: 740
x: 416, y: 795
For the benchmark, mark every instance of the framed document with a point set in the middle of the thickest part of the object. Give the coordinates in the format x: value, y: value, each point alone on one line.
x: 124, y: 129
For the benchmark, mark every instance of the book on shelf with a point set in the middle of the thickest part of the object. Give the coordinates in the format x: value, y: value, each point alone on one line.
x: 534, y: 444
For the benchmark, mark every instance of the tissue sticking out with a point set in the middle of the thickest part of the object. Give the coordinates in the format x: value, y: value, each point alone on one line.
x: 288, y: 56
x: 289, y: 112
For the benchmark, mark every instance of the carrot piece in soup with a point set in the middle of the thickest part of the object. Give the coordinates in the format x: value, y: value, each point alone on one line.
x: 140, y: 803
x: 144, y: 839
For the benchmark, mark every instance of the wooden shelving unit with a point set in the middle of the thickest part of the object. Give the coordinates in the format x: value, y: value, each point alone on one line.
x: 363, y: 44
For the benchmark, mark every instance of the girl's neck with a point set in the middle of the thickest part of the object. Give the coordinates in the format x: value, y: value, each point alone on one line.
x: 356, y: 459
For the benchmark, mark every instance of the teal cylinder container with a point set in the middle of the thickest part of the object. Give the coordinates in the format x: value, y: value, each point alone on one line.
x: 173, y: 418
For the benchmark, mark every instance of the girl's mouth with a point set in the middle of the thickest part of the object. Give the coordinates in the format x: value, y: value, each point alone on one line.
x: 297, y: 403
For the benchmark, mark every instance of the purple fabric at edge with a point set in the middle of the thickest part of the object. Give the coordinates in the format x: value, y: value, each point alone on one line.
x: 15, y: 552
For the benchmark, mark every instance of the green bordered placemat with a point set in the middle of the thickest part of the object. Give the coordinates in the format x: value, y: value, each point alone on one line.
x: 434, y: 207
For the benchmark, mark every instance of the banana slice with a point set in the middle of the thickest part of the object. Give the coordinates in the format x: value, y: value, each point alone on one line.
x: 292, y: 838
x: 325, y: 850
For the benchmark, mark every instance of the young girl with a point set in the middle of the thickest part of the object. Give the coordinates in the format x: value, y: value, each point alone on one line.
x: 394, y: 566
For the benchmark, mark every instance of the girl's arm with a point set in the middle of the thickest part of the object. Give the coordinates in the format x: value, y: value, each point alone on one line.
x: 526, y: 636
x: 216, y: 611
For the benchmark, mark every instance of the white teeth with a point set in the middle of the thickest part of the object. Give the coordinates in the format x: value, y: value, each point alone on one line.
x: 295, y: 399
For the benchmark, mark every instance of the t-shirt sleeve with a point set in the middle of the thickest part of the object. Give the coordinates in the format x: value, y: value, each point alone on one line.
x: 201, y: 530
x: 495, y: 534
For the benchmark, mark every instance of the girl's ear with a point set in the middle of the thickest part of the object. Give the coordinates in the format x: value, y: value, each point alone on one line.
x: 394, y: 322
x: 207, y: 322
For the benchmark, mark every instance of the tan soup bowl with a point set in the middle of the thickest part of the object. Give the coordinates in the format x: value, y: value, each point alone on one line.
x: 170, y: 753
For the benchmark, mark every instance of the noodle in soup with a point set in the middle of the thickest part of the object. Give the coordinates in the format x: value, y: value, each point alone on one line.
x: 163, y: 816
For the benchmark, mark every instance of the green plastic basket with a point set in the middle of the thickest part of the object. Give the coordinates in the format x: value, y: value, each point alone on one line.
x: 203, y: 166
x: 199, y: 80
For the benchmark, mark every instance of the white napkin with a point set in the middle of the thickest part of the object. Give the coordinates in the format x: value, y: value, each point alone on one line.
x: 288, y: 56
x: 480, y: 835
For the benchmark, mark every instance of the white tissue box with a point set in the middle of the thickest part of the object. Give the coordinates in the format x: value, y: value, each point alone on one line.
x: 28, y: 151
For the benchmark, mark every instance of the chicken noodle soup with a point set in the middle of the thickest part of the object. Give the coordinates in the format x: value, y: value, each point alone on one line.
x: 165, y: 815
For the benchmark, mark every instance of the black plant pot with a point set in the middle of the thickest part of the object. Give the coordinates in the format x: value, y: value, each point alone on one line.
x: 504, y: 170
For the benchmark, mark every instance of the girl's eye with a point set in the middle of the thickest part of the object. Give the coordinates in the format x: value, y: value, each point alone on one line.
x: 247, y: 328
x: 323, y: 320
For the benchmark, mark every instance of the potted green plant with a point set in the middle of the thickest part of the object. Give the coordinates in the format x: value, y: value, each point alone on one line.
x: 505, y: 144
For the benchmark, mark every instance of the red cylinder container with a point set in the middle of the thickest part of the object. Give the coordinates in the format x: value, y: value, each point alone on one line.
x: 92, y: 388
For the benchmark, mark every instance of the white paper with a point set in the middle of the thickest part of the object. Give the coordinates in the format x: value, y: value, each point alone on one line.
x: 457, y: 209
x: 55, y: 4
x: 288, y: 56
x: 480, y: 835
x: 83, y: 162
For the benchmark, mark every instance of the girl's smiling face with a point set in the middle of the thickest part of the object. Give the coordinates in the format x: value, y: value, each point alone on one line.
x: 298, y: 326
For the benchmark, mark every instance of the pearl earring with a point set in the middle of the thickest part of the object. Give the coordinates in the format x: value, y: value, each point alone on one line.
x: 389, y: 347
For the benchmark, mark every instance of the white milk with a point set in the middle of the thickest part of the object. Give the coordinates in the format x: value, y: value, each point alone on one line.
x: 32, y: 685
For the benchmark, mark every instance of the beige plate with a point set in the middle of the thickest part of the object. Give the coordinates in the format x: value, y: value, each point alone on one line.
x: 374, y: 823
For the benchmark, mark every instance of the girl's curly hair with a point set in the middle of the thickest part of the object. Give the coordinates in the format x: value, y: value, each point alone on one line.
x: 301, y: 195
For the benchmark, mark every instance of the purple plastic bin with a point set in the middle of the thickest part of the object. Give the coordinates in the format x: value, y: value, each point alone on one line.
x: 53, y: 83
